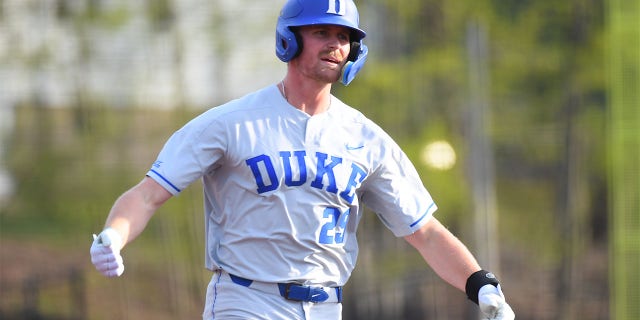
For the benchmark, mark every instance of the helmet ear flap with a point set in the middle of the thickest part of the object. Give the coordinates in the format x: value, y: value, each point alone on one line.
x: 352, y: 67
x: 288, y: 44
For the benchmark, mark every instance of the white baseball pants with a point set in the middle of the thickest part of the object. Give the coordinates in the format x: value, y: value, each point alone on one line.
x: 227, y: 300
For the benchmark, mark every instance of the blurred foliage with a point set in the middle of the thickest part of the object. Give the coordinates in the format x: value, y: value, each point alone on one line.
x: 546, y: 70
x: 623, y: 58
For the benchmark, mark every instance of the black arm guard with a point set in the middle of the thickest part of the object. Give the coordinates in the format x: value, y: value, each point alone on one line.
x: 476, y: 281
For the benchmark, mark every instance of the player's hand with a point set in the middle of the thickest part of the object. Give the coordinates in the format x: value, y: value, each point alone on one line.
x: 105, y: 253
x: 493, y: 305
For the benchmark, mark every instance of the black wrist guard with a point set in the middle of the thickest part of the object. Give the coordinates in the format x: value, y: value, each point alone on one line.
x: 476, y: 281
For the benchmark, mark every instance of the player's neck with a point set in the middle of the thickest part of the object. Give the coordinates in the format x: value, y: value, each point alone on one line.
x: 310, y: 97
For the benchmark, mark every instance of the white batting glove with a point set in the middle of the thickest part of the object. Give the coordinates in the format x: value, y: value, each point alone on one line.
x: 493, y: 305
x: 105, y: 253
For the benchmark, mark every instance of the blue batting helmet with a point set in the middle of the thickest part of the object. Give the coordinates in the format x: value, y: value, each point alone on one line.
x: 297, y: 13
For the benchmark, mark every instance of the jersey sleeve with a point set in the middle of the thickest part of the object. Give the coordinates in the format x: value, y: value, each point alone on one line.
x: 189, y: 153
x: 396, y: 193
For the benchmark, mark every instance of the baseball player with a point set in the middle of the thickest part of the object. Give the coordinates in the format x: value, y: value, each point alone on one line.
x: 286, y: 172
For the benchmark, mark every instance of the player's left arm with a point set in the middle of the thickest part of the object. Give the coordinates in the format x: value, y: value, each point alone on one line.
x: 455, y: 264
x: 446, y: 255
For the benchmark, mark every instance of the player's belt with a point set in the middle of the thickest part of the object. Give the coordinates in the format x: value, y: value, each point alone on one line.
x: 293, y: 291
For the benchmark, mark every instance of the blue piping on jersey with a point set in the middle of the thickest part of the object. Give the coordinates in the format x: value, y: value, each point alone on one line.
x: 423, y: 216
x: 165, y: 180
x: 215, y: 294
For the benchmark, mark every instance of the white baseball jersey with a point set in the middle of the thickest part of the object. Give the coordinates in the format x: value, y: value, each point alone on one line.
x: 284, y: 191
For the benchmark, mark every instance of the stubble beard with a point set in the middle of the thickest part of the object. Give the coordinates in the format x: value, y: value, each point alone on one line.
x: 323, y: 74
x: 328, y: 74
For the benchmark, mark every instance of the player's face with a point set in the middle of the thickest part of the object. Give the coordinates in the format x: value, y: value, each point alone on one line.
x: 324, y: 52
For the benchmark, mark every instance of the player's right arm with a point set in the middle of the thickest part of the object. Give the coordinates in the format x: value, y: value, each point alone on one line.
x: 133, y: 209
x: 128, y: 217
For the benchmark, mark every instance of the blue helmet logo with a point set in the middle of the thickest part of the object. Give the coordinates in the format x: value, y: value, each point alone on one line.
x: 296, y: 13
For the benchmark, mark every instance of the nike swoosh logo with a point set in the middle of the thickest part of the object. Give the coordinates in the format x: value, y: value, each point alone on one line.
x: 353, y: 147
